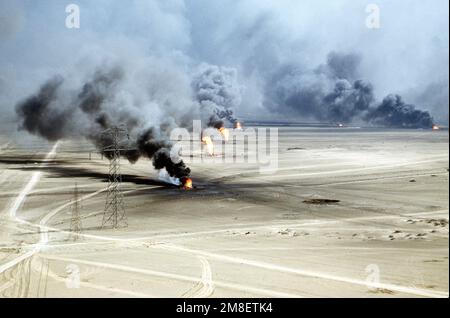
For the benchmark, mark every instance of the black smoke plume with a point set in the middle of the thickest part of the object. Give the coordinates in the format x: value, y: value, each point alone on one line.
x: 333, y: 93
x: 393, y: 112
x: 215, y: 122
x: 56, y: 112
x: 217, y: 91
x: 163, y: 160
x: 40, y: 115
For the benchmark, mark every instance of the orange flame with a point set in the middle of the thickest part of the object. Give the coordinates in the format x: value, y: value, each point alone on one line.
x: 435, y: 127
x: 187, y: 185
x: 209, y: 144
x: 225, y: 133
x: 237, y: 125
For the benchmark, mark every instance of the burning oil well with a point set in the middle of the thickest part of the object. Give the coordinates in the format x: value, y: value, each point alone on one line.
x: 54, y: 113
x: 150, y: 103
x: 109, y: 96
x: 333, y: 92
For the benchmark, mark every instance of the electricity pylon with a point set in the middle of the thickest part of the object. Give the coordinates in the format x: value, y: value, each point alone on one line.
x: 75, y: 221
x: 114, y: 213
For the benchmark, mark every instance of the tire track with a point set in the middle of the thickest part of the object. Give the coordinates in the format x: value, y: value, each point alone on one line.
x: 35, y: 177
x: 308, y: 273
x: 207, y: 281
x: 180, y: 277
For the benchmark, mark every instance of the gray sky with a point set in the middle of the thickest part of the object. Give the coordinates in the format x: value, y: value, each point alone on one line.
x: 408, y: 54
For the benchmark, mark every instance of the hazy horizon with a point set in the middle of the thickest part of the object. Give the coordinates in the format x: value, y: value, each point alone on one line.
x: 258, y: 40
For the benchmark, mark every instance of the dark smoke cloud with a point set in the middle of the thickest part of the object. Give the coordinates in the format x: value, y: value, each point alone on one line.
x: 260, y: 37
x: 159, y: 151
x: 348, y: 101
x: 327, y: 93
x: 148, y: 105
x: 163, y: 160
x: 218, y: 92
x: 57, y: 112
x: 393, y: 112
x: 215, y: 122
x: 256, y: 38
x: 343, y: 65
x: 148, y: 144
x: 332, y: 93
x: 40, y: 113
x: 94, y: 93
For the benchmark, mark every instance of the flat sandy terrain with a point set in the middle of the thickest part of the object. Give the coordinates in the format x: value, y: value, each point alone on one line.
x: 239, y: 233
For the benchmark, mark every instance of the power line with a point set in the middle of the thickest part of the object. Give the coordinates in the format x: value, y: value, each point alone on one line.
x: 114, y: 213
x: 75, y: 221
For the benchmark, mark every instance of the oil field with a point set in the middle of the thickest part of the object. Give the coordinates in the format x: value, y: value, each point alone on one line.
x: 388, y: 215
x: 224, y: 149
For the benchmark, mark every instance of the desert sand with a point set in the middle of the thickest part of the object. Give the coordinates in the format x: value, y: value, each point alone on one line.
x: 238, y: 233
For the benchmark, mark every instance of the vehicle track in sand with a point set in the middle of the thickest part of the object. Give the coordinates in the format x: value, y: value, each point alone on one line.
x: 180, y: 277
x: 205, y: 287
x: 307, y: 273
x: 205, y: 282
x: 22, y: 282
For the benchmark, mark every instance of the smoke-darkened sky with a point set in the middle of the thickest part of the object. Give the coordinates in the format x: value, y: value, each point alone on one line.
x: 280, y: 53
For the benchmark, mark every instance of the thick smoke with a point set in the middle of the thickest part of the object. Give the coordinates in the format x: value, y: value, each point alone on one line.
x: 343, y: 65
x: 333, y: 93
x: 147, y: 103
x: 163, y: 159
x: 40, y: 114
x: 159, y: 150
x: 57, y: 111
x: 95, y: 92
x: 393, y: 112
x: 274, y: 46
x: 328, y: 93
x: 270, y: 41
x: 218, y: 92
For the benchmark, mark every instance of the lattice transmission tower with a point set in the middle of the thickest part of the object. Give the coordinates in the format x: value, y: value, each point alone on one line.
x: 114, y: 213
x: 75, y: 221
